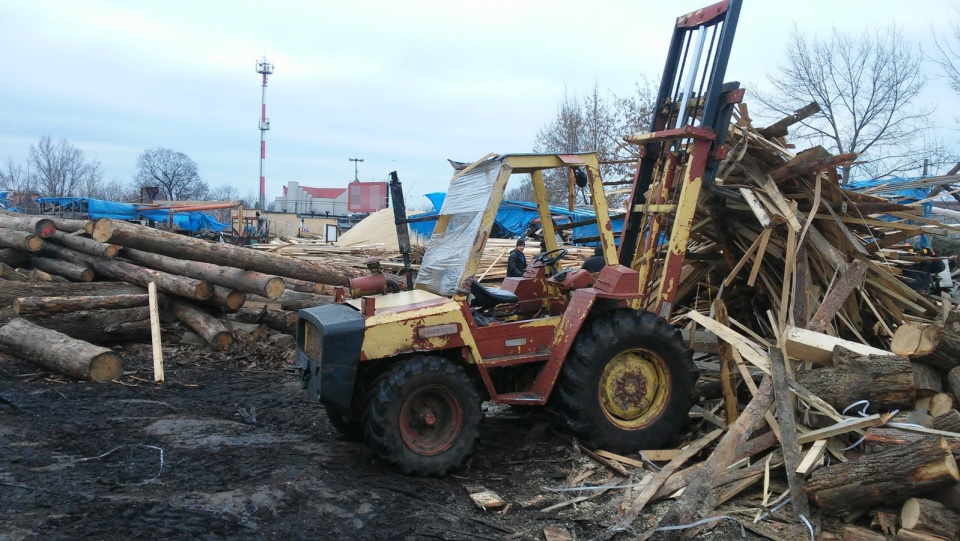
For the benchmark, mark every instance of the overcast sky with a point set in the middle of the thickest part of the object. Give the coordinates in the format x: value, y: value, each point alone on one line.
x: 401, y: 84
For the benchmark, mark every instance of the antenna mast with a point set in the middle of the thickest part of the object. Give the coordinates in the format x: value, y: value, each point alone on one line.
x: 264, y: 68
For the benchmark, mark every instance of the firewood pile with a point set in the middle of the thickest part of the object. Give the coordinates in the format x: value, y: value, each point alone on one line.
x: 829, y: 394
x: 70, y: 287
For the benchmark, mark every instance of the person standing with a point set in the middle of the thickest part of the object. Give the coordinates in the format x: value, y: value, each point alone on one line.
x: 517, y: 263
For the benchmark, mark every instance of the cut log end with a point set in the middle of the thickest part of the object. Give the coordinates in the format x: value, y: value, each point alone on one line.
x: 106, y: 367
x: 274, y: 288
x: 34, y: 243
x: 45, y: 228
x: 111, y: 251
x: 235, y: 299
x: 203, y: 291
x: 223, y: 340
x: 101, y: 230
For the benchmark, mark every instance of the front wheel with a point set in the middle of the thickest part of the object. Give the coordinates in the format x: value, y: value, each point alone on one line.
x: 424, y: 416
x: 628, y: 382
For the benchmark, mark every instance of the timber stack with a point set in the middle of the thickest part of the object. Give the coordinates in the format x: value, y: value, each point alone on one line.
x: 72, y: 285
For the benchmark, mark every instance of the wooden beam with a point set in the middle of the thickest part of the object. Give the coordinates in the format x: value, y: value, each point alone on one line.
x: 812, y: 458
x: 788, y: 432
x: 851, y: 278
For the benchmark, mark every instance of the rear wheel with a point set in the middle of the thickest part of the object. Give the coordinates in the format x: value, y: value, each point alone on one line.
x: 628, y: 382
x: 424, y: 416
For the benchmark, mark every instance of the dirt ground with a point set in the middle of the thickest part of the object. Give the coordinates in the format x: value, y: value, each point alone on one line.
x: 231, y: 448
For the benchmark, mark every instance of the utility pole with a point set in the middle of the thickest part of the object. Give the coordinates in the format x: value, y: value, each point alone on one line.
x: 356, y: 167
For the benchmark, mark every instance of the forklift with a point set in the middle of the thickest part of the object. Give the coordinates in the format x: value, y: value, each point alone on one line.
x: 406, y: 372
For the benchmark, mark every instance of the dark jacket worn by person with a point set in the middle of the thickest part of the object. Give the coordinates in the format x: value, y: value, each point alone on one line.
x: 595, y: 263
x: 516, y: 264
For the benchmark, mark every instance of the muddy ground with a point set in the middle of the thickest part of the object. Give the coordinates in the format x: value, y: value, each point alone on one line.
x: 231, y: 448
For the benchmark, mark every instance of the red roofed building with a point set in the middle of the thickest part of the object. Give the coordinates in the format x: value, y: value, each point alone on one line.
x: 304, y: 200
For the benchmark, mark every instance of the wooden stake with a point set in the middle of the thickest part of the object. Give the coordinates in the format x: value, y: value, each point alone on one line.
x: 788, y: 432
x: 155, y: 333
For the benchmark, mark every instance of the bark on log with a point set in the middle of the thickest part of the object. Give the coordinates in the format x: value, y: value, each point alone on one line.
x: 134, y: 274
x: 210, y: 328
x: 36, y: 225
x: 884, y: 478
x: 228, y: 300
x: 72, y: 226
x: 953, y: 381
x: 928, y: 380
x: 928, y: 516
x: 105, y: 327
x: 51, y: 305
x: 858, y: 533
x: 284, y: 321
x: 14, y: 290
x: 928, y: 344
x: 171, y: 244
x: 60, y: 353
x: 948, y: 496
x: 20, y: 240
x: 949, y: 421
x: 940, y: 403
x: 71, y: 271
x: 886, y: 381
x: 292, y: 300
x: 904, y: 534
x: 85, y: 245
x: 881, y: 438
x: 257, y: 283
x: 13, y: 257
x: 304, y: 286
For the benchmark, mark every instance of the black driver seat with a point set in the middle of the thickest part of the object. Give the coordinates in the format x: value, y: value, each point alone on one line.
x: 489, y: 297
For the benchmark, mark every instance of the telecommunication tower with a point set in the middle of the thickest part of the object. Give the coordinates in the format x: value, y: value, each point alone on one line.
x: 264, y: 68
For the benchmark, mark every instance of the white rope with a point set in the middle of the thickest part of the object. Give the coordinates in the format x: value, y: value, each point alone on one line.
x: 809, y: 527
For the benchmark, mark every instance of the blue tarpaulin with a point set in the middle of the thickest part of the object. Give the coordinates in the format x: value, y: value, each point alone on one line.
x: 887, y: 188
x: 514, y: 217
x: 98, y: 208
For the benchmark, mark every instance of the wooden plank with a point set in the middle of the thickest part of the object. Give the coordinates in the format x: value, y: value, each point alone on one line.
x: 756, y: 207
x: 788, y: 432
x: 817, y: 348
x: 761, y: 250
x: 812, y: 458
x: 850, y: 279
x: 841, y: 428
x: 728, y: 381
x: 743, y: 260
x: 158, y: 374
x: 620, y: 458
x: 747, y: 349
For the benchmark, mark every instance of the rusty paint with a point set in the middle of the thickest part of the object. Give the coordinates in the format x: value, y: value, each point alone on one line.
x: 704, y: 16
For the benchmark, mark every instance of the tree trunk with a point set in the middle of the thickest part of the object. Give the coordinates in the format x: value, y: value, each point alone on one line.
x: 72, y: 226
x: 886, y: 381
x: 71, y: 271
x: 881, y: 438
x: 50, y: 305
x: 928, y: 380
x: 134, y: 274
x: 36, y: 225
x: 171, y: 244
x: 857, y: 533
x: 940, y: 403
x: 60, y: 353
x: 884, y: 478
x: 281, y: 320
x: 228, y: 300
x: 210, y: 328
x: 292, y: 300
x: 303, y: 286
x: 14, y: 290
x: 20, y: 240
x: 953, y: 381
x: 904, y: 534
x: 85, y: 245
x: 257, y: 283
x: 98, y: 326
x: 948, y: 496
x: 930, y: 517
x: 948, y: 422
x: 13, y: 257
x: 928, y: 344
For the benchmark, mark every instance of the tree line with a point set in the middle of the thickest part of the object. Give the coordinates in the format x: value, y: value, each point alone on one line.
x: 867, y: 86
x: 59, y: 169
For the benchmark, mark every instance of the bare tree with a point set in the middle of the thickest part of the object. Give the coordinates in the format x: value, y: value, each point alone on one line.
x: 60, y: 169
x: 947, y: 56
x: 173, y: 172
x: 865, y: 86
x: 595, y: 122
x: 16, y: 178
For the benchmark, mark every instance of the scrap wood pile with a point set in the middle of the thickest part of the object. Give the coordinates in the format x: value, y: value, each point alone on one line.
x: 831, y: 384
x: 355, y: 256
x: 70, y: 287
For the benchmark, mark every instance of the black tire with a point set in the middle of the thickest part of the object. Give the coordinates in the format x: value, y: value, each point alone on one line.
x: 644, y: 357
x: 424, y: 416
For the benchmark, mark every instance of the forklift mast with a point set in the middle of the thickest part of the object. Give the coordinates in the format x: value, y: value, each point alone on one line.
x: 682, y: 151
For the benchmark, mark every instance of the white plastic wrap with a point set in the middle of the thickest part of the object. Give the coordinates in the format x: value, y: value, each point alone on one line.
x: 446, y: 257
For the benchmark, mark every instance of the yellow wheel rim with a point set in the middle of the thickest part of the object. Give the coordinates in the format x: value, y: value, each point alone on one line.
x: 634, y: 388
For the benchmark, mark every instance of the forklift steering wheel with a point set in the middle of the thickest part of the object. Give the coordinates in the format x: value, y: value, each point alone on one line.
x: 546, y: 259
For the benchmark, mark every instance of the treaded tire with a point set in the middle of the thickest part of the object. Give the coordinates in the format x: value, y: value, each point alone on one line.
x: 401, y: 393
x: 598, y: 344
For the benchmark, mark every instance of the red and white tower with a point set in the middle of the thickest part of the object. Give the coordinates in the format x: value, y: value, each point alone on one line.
x: 264, y: 68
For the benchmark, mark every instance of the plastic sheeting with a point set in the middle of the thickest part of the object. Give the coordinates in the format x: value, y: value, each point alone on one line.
x: 445, y: 260
x: 888, y: 190
x: 98, y: 208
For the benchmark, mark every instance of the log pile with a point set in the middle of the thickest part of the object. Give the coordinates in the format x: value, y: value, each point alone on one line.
x: 854, y: 427
x: 78, y: 283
